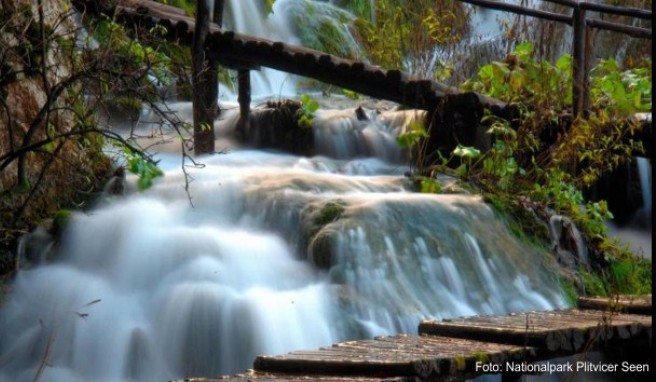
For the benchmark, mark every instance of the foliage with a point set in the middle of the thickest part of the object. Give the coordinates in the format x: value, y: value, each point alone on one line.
x: 54, y: 159
x: 412, y: 136
x: 621, y: 93
x: 305, y: 115
x: 407, y: 35
x: 268, y: 6
x: 542, y: 161
x: 142, y: 166
x: 324, y: 27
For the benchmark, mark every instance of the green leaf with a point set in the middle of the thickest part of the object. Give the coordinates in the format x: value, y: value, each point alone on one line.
x: 431, y: 186
x: 466, y: 152
x: 351, y: 94
x: 524, y: 51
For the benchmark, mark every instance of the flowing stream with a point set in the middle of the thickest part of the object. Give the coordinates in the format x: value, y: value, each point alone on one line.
x: 266, y: 253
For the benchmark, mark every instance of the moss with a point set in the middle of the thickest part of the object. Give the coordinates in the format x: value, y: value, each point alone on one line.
x: 481, y: 357
x: 330, y: 212
x: 460, y: 362
x: 60, y: 220
x: 630, y: 276
x: 593, y: 284
x: 570, y: 290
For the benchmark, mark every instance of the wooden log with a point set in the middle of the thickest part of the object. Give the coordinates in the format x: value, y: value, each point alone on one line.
x: 623, y: 304
x: 153, y: 5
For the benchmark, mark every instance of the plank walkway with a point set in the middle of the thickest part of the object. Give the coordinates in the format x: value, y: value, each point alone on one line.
x: 455, y: 349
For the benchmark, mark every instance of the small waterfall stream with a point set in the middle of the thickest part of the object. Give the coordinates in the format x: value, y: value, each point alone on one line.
x: 277, y: 253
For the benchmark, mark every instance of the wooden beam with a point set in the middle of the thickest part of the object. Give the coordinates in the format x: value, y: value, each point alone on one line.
x: 632, y: 31
x: 624, y: 304
x: 501, y: 6
x: 204, y: 77
x: 578, y: 62
x: 244, y: 99
x: 617, y: 10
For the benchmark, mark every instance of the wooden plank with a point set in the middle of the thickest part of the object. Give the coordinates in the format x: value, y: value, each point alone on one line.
x: 401, y: 355
x: 561, y: 331
x: 623, y: 304
x: 278, y: 377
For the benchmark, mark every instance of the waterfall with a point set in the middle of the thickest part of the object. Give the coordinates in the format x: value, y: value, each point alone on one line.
x: 247, y: 16
x: 644, y: 171
x: 266, y: 253
x: 278, y: 253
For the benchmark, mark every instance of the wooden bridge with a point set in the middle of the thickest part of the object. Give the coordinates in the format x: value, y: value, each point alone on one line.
x: 243, y: 52
x: 462, y: 348
x: 457, y: 113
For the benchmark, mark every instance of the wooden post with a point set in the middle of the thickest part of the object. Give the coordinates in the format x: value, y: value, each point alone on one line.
x: 578, y: 55
x: 244, y: 98
x: 589, y: 36
x: 205, y: 66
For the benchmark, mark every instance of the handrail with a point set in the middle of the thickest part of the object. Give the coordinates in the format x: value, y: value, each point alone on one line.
x: 521, y: 10
x: 605, y: 8
x: 615, y: 10
x: 632, y: 31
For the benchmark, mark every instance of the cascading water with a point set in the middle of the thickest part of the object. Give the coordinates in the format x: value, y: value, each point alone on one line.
x: 248, y: 17
x: 150, y: 288
x: 276, y: 253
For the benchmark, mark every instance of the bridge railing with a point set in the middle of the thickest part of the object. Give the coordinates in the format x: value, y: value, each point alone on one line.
x: 581, y: 37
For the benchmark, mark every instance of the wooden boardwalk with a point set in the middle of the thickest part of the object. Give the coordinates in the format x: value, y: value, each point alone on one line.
x: 458, y: 349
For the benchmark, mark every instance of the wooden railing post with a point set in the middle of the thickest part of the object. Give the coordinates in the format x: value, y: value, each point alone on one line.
x: 205, y: 68
x: 578, y: 58
x: 586, y: 70
x: 244, y: 99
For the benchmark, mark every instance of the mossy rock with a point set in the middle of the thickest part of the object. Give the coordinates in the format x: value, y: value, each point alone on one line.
x: 59, y: 222
x: 330, y: 212
x: 276, y: 127
x: 320, y: 250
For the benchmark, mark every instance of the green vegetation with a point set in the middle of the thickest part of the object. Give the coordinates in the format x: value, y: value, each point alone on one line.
x: 404, y: 35
x: 542, y: 162
x: 305, y: 114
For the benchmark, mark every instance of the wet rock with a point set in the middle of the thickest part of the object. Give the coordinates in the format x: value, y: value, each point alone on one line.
x: 316, y: 219
x: 276, y: 127
x: 320, y: 250
x: 568, y: 243
x: 360, y: 114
